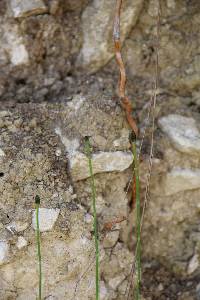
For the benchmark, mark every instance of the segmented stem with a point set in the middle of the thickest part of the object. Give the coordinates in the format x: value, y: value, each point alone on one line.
x: 95, y: 224
x: 38, y: 240
x: 138, y: 223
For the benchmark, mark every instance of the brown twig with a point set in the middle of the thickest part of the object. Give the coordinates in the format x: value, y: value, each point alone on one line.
x: 125, y: 102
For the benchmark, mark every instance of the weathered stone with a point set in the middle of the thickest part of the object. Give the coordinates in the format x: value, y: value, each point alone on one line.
x: 25, y: 8
x: 198, y: 291
x: 47, y: 218
x: 2, y: 152
x: 4, y: 252
x: 70, y: 145
x: 179, y: 180
x: 182, y: 132
x: 17, y: 226
x: 14, y: 46
x: 102, y: 162
x: 21, y: 242
x: 193, y: 264
x: 111, y: 239
x: 114, y: 282
x: 97, y: 24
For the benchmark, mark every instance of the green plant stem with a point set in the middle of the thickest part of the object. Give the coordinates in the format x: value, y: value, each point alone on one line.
x: 38, y: 240
x: 138, y: 222
x: 93, y: 189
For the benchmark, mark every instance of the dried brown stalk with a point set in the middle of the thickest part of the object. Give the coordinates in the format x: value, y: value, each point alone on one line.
x: 125, y: 102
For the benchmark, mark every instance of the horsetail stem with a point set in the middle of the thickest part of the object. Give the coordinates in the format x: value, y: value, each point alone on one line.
x: 138, y: 222
x: 95, y: 225
x: 38, y: 241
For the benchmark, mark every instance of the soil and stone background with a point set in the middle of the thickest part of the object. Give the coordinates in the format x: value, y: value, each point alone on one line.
x: 58, y: 83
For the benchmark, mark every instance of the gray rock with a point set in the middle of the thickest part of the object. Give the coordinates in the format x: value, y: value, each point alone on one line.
x: 4, y: 252
x: 25, y: 8
x: 102, y: 162
x: 115, y: 282
x: 97, y: 24
x: 182, y: 132
x: 21, y: 242
x: 2, y: 152
x: 193, y: 264
x: 47, y: 218
x: 14, y: 46
x: 198, y: 291
x: 110, y: 239
x: 181, y: 180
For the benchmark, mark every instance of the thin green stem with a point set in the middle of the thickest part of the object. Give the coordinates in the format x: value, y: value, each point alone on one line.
x: 93, y: 189
x: 38, y: 240
x: 138, y: 222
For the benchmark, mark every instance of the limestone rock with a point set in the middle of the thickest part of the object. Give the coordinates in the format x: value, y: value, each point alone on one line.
x: 97, y: 24
x: 110, y: 239
x: 193, y: 264
x: 14, y: 46
x: 2, y: 152
x: 102, y: 162
x: 4, y: 251
x: 198, y: 291
x: 21, y: 242
x: 182, y: 132
x: 181, y: 180
x: 17, y: 226
x: 114, y: 282
x: 25, y: 8
x: 47, y: 218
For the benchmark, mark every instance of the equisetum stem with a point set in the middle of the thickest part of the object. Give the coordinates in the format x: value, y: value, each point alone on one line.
x: 95, y: 225
x: 138, y: 222
x: 37, y: 204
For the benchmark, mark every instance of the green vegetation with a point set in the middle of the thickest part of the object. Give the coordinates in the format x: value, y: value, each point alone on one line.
x: 38, y: 241
x: 93, y: 190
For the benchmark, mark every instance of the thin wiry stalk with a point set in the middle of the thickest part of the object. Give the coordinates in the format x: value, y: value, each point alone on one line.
x: 93, y: 190
x: 38, y: 240
x: 138, y: 223
x: 156, y: 84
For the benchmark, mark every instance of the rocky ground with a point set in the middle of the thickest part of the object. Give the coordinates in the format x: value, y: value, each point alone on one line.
x: 58, y: 83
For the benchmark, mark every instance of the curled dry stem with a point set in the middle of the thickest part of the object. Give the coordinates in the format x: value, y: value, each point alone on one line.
x: 125, y: 102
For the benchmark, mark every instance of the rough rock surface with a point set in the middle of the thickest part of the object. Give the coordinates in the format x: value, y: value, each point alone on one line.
x: 102, y: 162
x: 35, y: 164
x: 179, y: 180
x: 4, y: 252
x: 27, y: 8
x: 182, y: 132
x: 97, y: 26
x: 41, y: 58
x: 47, y: 218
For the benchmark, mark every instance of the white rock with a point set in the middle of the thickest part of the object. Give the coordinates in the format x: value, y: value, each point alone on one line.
x: 25, y: 8
x: 88, y: 218
x: 4, y: 251
x: 17, y: 226
x: 47, y: 218
x: 15, y: 46
x: 21, y: 242
x: 193, y: 264
x: 102, y: 162
x: 71, y: 146
x: 182, y: 132
x: 103, y: 291
x: 76, y: 102
x: 97, y: 26
x: 2, y: 152
x: 181, y: 180
x: 19, y: 55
